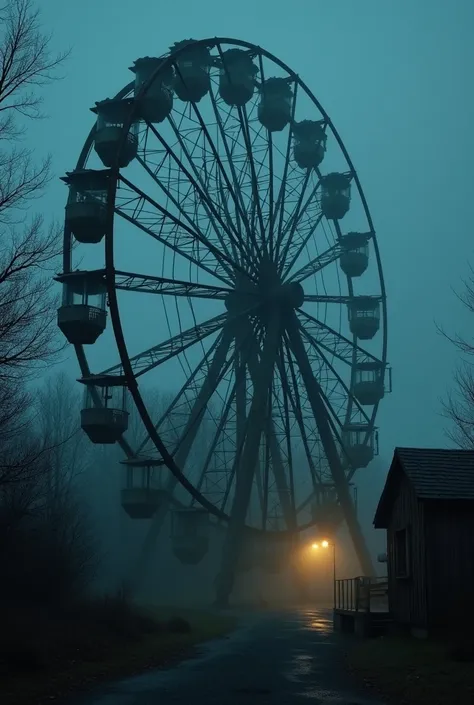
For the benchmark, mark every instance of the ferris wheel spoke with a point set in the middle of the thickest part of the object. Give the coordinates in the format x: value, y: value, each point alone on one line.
x: 188, y: 392
x: 269, y: 246
x: 330, y: 447
x: 345, y: 393
x: 285, y: 226
x: 254, y: 182
x: 182, y: 453
x: 244, y: 343
x: 327, y: 384
x: 279, y: 210
x: 296, y: 248
x: 204, y: 394
x: 149, y: 359
x: 333, y: 342
x: 221, y: 241
x: 225, y: 262
x: 218, y: 474
x: 185, y: 429
x: 231, y: 185
x: 241, y: 218
x: 186, y: 247
x: 315, y: 265
x: 311, y: 209
x: 199, y: 186
x: 128, y: 281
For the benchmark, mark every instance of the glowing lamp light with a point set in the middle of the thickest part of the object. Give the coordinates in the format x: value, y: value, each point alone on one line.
x: 315, y: 546
x: 325, y: 544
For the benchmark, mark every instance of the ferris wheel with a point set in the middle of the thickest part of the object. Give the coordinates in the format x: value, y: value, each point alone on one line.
x: 215, y: 217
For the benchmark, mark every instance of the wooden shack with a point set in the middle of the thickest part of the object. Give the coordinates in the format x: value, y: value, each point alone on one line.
x: 427, y: 509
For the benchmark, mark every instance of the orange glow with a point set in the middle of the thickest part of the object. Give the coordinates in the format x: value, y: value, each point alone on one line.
x: 315, y: 546
x: 325, y: 544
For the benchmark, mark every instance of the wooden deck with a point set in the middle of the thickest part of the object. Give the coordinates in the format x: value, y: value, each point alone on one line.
x: 361, y: 606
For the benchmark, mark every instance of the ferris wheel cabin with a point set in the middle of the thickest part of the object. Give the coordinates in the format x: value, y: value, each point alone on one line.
x: 359, y: 444
x: 368, y: 387
x: 143, y: 493
x: 274, y: 110
x: 335, y: 195
x: 86, y: 209
x: 82, y: 316
x: 309, y: 143
x: 237, y: 77
x: 157, y: 103
x: 192, y: 81
x: 354, y: 258
x: 364, y: 316
x: 104, y: 417
x: 108, y: 140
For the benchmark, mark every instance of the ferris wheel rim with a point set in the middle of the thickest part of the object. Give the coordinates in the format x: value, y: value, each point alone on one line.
x: 110, y: 270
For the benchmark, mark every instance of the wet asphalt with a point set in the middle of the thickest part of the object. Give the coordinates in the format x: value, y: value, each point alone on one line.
x: 278, y: 658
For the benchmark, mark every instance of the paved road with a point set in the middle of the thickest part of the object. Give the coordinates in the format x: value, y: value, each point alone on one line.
x: 280, y: 658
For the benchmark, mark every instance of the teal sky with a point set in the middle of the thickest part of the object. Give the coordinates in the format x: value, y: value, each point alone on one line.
x: 395, y: 78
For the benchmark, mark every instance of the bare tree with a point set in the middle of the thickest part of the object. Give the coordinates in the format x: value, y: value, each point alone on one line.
x: 46, y: 534
x: 458, y: 407
x: 28, y: 248
x: 57, y: 422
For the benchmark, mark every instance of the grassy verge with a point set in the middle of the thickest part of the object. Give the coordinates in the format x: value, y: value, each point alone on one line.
x: 413, y: 672
x: 52, y: 657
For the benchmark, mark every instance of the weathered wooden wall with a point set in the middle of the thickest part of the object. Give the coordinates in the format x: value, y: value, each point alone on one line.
x: 408, y: 596
x: 449, y: 531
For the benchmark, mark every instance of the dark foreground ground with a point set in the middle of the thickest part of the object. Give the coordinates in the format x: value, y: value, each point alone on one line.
x: 280, y: 658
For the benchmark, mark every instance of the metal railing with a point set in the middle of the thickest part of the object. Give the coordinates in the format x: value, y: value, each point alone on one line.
x: 361, y: 594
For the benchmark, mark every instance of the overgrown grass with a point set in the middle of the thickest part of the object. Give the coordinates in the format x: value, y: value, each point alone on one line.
x: 413, y: 672
x: 45, y: 656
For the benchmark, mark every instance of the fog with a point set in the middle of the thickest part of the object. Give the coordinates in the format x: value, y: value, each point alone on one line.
x: 391, y: 76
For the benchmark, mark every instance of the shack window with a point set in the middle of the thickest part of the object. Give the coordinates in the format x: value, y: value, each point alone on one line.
x: 401, y: 554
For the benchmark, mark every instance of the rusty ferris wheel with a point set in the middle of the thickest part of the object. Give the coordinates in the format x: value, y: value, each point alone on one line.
x: 219, y: 219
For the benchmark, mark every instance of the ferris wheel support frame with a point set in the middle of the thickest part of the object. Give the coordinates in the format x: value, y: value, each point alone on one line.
x: 247, y: 460
x: 274, y: 450
x: 321, y: 419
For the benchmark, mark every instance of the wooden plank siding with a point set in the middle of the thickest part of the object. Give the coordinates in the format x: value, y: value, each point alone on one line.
x: 449, y: 536
x: 408, y: 596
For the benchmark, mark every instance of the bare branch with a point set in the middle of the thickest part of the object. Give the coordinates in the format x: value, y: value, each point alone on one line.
x: 458, y: 407
x: 26, y: 60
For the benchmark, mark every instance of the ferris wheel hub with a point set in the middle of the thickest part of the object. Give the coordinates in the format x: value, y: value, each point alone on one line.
x: 284, y: 296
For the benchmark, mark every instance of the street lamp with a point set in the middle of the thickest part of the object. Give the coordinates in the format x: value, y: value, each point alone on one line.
x: 325, y: 544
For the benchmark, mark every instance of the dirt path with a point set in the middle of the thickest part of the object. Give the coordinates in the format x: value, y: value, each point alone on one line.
x: 278, y: 658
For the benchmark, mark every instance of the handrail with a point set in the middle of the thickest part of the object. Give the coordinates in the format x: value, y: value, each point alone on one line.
x: 356, y: 594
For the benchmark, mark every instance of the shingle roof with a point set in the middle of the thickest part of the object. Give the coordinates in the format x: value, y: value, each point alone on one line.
x: 439, y: 473
x: 435, y: 473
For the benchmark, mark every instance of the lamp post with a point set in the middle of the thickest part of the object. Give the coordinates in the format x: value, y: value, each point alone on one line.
x: 326, y: 544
